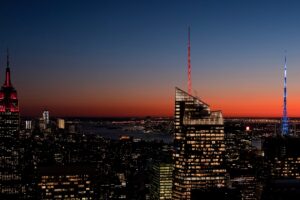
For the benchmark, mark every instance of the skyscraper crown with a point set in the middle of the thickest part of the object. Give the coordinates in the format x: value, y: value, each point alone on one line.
x: 8, y: 94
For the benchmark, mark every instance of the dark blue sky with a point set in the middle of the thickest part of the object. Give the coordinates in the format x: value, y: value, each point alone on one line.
x: 108, y: 57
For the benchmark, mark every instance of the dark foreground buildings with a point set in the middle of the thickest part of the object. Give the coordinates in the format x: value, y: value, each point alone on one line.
x: 57, y: 160
x: 282, y: 162
x: 199, y: 147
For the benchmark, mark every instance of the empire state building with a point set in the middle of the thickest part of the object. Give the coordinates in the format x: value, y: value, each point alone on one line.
x: 10, y: 176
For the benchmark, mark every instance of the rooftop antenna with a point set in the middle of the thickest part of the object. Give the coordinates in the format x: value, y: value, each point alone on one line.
x: 189, y: 62
x: 7, y: 82
x: 285, y: 126
x: 7, y: 57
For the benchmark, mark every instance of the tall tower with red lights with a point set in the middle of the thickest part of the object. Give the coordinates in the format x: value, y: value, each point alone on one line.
x: 10, y: 176
x: 8, y: 96
x: 189, y: 63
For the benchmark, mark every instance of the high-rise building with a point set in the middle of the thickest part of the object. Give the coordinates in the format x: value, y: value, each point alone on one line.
x: 44, y: 122
x: 199, y: 146
x: 10, y: 176
x: 61, y: 123
x: 161, y: 184
x: 46, y: 117
x: 28, y: 124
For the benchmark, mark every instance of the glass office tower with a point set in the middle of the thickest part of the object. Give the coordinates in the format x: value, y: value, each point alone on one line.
x: 199, y: 146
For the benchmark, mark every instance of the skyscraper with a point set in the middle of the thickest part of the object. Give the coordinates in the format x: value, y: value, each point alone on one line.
x: 285, y: 125
x: 10, y: 176
x: 199, y: 146
x: 61, y: 123
x: 161, y: 184
x: 46, y: 117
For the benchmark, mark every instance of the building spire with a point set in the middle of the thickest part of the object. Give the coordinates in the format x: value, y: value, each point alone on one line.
x: 7, y: 58
x: 285, y: 126
x: 189, y: 62
x: 7, y: 82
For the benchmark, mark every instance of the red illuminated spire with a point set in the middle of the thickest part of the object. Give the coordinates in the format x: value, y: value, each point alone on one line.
x: 189, y: 63
x: 8, y: 95
x: 7, y: 82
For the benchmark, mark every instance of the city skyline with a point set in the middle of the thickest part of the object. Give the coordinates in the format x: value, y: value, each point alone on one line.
x: 126, y: 58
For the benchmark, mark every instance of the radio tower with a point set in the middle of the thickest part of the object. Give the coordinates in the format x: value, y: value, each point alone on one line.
x: 285, y: 125
x: 189, y: 63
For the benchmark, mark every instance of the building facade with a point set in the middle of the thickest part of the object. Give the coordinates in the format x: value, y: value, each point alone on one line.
x: 65, y: 182
x: 282, y: 157
x: 161, y: 184
x: 199, y: 146
x: 10, y: 175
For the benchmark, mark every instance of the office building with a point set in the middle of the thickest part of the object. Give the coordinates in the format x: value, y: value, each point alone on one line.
x: 282, y: 156
x: 61, y: 123
x: 46, y: 117
x: 161, y: 183
x: 65, y: 182
x: 28, y: 124
x: 199, y: 146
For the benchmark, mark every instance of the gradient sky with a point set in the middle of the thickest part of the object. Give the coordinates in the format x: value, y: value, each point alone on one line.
x: 124, y: 58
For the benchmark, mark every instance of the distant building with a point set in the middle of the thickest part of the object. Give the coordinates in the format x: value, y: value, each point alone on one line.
x: 42, y: 124
x: 61, y: 123
x: 10, y: 176
x: 282, y: 189
x: 72, y: 128
x: 282, y: 158
x: 282, y: 155
x: 246, y: 185
x: 243, y: 161
x: 161, y: 184
x: 199, y: 146
x: 46, y: 117
x: 28, y: 124
x: 216, y: 193
x: 65, y: 182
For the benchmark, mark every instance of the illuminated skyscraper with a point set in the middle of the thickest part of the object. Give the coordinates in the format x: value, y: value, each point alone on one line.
x: 28, y: 124
x: 46, y: 117
x: 61, y: 123
x: 199, y: 146
x: 10, y: 176
x: 161, y: 185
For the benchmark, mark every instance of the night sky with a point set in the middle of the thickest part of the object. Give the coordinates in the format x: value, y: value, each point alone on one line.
x: 124, y: 58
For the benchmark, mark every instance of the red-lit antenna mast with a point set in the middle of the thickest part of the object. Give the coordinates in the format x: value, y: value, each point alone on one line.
x: 189, y: 63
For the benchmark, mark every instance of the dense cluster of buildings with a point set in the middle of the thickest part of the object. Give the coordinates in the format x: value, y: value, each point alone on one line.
x: 210, y: 157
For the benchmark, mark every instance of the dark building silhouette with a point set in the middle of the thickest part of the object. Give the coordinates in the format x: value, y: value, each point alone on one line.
x: 282, y: 158
x: 216, y: 193
x: 282, y: 189
x: 199, y: 146
x: 10, y: 176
